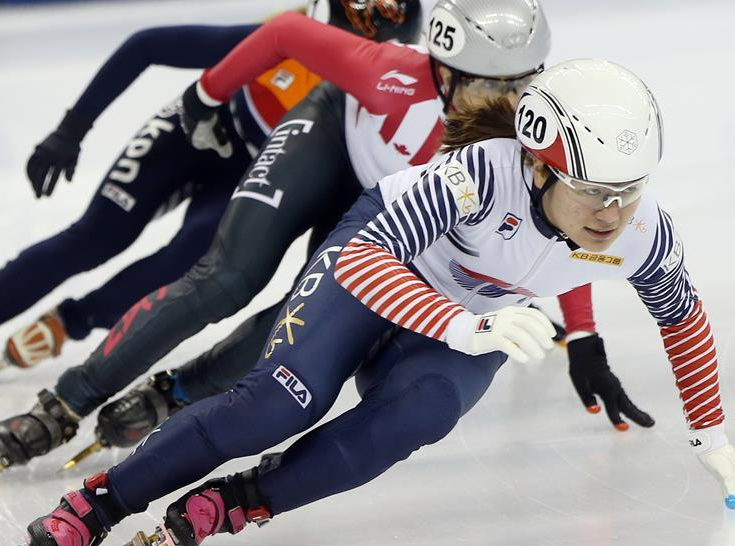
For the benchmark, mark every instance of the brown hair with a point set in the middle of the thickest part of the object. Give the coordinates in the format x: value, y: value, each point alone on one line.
x: 470, y: 124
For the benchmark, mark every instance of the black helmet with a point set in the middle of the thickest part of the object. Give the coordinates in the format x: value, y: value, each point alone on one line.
x: 379, y: 20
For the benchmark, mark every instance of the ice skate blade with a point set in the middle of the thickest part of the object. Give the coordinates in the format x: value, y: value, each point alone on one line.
x: 83, y: 454
x: 160, y: 537
x: 4, y: 464
x: 140, y: 539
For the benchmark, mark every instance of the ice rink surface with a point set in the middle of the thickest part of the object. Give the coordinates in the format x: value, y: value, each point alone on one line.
x: 526, y: 467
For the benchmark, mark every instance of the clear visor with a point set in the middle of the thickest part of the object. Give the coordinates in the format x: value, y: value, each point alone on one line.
x: 503, y: 86
x: 600, y: 195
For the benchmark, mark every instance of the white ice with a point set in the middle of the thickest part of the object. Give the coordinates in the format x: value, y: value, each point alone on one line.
x: 528, y: 466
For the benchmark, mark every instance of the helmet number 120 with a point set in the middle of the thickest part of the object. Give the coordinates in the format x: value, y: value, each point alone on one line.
x: 535, y: 126
x: 443, y: 34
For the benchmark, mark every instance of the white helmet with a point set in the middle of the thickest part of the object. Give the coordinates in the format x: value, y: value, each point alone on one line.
x: 592, y: 120
x: 493, y: 39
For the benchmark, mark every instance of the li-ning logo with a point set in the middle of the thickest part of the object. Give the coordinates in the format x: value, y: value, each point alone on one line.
x: 510, y: 226
x: 292, y: 384
x: 403, y: 79
x: 485, y: 324
x: 256, y: 183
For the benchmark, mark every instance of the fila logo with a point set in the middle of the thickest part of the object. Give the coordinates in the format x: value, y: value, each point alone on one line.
x: 695, y: 443
x: 403, y: 79
x: 292, y: 384
x: 485, y: 324
x: 509, y: 226
x: 118, y: 196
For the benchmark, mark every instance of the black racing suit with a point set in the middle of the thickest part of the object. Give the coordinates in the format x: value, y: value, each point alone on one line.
x: 302, y: 178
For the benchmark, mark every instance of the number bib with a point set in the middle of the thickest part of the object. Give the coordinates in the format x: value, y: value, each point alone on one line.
x: 446, y: 36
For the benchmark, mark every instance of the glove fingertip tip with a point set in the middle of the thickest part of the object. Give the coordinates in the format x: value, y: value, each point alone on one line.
x: 730, y: 502
x: 622, y: 427
x: 594, y: 409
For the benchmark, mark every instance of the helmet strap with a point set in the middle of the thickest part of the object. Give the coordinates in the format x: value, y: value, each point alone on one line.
x: 446, y: 98
x: 536, y: 194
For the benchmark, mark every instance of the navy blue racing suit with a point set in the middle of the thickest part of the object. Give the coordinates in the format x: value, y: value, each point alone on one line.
x: 155, y: 172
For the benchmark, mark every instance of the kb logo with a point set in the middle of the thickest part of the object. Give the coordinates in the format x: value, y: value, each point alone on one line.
x: 292, y: 384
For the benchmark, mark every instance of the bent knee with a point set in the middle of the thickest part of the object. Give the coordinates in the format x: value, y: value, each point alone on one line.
x: 221, y: 289
x: 424, y: 413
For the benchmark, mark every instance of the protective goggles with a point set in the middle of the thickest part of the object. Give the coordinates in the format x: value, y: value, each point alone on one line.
x: 502, y: 85
x: 600, y: 195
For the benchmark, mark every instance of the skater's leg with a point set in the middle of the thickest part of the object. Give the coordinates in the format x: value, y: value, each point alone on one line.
x: 320, y: 336
x: 221, y: 367
x: 420, y: 388
x: 254, y: 233
x: 126, y: 420
x: 138, y: 183
x: 104, y: 306
x: 227, y: 362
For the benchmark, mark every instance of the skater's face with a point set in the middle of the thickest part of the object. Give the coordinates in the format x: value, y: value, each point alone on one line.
x: 590, y: 225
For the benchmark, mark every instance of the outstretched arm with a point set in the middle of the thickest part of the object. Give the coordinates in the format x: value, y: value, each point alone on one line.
x: 664, y: 286
x: 191, y: 46
x: 346, y: 60
x: 182, y: 47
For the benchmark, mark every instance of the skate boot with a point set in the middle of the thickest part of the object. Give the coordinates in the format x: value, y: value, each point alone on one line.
x: 49, y: 424
x: 36, y: 342
x: 75, y: 522
x: 221, y: 505
x: 127, y: 420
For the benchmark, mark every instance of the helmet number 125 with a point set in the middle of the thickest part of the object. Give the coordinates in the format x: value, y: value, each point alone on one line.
x: 441, y: 34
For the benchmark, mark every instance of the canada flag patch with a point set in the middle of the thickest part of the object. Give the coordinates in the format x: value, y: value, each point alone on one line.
x: 509, y: 226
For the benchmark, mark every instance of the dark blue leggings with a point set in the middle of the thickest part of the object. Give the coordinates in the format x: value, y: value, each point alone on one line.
x: 415, y: 391
x: 157, y: 168
x: 103, y: 307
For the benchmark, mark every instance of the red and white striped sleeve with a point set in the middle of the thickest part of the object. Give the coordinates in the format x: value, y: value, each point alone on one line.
x: 664, y: 286
x: 691, y: 350
x: 386, y: 286
x: 372, y: 265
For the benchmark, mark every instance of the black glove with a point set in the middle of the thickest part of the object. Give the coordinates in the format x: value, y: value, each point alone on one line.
x: 58, y: 152
x: 201, y: 124
x: 591, y: 375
